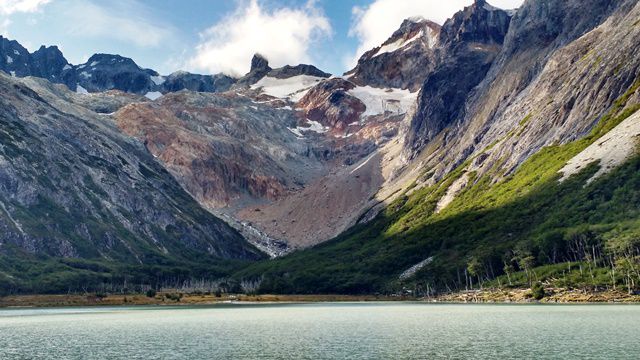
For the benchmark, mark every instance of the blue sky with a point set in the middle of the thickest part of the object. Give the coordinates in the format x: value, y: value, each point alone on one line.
x: 210, y: 36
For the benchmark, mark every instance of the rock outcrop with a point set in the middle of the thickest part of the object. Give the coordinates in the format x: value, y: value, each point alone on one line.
x: 468, y: 44
x: 403, y: 61
x: 330, y: 104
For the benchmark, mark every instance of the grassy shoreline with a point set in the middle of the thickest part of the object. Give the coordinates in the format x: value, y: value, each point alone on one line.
x: 517, y: 296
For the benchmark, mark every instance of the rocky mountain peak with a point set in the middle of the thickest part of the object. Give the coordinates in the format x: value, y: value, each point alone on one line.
x: 259, y: 62
x: 51, y: 55
x: 480, y: 23
x: 49, y: 63
x: 114, y: 61
x: 260, y: 69
x: 469, y: 43
x: 403, y: 60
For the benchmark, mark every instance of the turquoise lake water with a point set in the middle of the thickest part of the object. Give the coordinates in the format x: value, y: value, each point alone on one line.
x: 324, y: 331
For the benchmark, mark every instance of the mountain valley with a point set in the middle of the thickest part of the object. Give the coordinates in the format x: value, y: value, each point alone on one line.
x: 500, y: 147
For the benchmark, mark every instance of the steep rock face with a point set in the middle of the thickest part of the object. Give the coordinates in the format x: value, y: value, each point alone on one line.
x: 403, y: 61
x: 468, y: 44
x: 71, y: 185
x: 330, y: 104
x: 560, y: 71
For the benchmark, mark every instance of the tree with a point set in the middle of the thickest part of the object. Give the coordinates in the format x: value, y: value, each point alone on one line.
x: 526, y: 262
x: 474, y: 267
x: 509, y: 269
x: 151, y: 293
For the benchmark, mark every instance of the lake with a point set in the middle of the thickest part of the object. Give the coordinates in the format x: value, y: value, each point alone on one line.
x: 324, y: 331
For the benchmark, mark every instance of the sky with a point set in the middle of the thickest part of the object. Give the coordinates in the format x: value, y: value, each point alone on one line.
x: 213, y: 36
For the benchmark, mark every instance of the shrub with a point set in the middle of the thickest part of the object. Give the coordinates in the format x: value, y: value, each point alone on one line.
x: 537, y: 291
x: 174, y: 296
x: 151, y: 293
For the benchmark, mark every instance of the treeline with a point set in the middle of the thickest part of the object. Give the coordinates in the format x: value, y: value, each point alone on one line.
x: 78, y: 276
x: 580, y: 258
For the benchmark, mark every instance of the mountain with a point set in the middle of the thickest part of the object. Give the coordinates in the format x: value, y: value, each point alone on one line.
x: 533, y: 166
x: 500, y: 147
x: 102, y: 72
x: 263, y: 189
x: 46, y: 62
x: 402, y: 61
x: 80, y: 200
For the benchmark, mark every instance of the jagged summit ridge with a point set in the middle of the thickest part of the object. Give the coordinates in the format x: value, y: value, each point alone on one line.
x: 402, y: 60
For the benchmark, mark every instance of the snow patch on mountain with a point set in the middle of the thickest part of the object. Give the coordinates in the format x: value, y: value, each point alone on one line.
x: 293, y: 88
x: 9, y: 60
x: 397, y: 45
x: 153, y: 95
x: 314, y: 126
x: 81, y: 90
x: 380, y: 101
x: 158, y: 80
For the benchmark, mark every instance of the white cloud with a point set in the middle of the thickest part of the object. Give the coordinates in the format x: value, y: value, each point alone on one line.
x: 373, y: 24
x: 282, y: 35
x: 8, y: 7
x: 122, y: 20
x: 4, y: 27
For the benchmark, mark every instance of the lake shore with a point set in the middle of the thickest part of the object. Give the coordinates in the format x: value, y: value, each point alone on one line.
x: 169, y: 299
x: 552, y: 296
